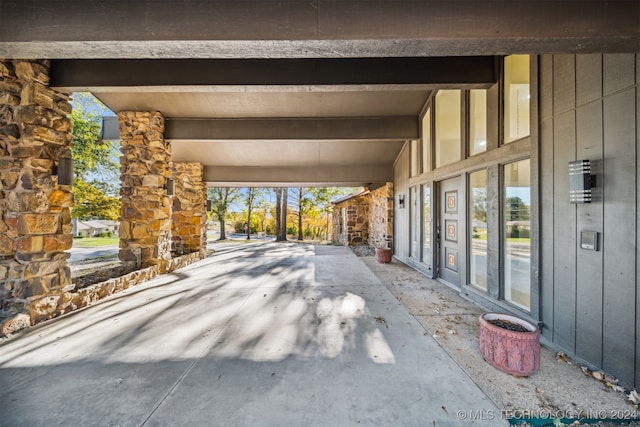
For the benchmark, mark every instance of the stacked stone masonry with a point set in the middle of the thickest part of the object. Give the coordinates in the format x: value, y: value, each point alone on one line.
x: 145, y: 167
x: 88, y: 295
x: 381, y: 220
x: 35, y: 218
x: 365, y: 219
x: 35, y: 210
x: 189, y: 216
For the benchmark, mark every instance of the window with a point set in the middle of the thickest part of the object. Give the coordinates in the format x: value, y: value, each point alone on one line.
x: 415, y: 158
x: 427, y: 259
x: 448, y: 121
x: 517, y: 233
x: 414, y: 221
x: 426, y: 141
x: 477, y: 121
x: 516, y: 97
x: 478, y: 229
x: 343, y: 221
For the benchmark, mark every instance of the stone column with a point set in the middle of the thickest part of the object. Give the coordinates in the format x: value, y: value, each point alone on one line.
x: 382, y: 217
x: 35, y: 220
x: 189, y: 233
x: 145, y: 167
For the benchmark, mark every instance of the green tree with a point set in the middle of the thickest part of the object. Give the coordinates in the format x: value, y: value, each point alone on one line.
x: 251, y: 200
x: 96, y: 167
x: 221, y: 199
x: 304, y: 205
x: 94, y: 203
x: 517, y: 210
x: 480, y: 204
x: 322, y: 197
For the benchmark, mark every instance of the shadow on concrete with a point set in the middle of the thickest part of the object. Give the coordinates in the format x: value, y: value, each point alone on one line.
x: 259, y: 336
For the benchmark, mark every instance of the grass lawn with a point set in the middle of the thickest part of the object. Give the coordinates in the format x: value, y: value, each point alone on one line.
x: 95, y: 242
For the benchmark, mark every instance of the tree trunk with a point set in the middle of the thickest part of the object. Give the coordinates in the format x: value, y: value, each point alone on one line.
x: 249, y: 223
x: 283, y: 216
x: 299, y: 213
x: 278, y: 208
x: 223, y: 234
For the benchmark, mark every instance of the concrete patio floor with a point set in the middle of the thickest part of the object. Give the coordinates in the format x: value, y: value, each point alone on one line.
x: 259, y: 335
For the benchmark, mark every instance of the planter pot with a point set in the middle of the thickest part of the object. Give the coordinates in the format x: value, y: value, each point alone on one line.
x: 383, y: 256
x: 513, y: 352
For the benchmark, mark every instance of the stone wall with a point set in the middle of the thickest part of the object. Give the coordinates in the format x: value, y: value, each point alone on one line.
x: 76, y: 299
x: 381, y: 222
x: 337, y: 236
x: 145, y: 168
x: 189, y: 217
x: 35, y: 220
x: 369, y: 219
x: 357, y: 220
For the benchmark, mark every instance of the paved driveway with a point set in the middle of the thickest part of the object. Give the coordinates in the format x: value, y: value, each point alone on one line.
x: 263, y: 335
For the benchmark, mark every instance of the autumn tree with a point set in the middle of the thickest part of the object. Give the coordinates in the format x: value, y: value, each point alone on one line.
x: 221, y: 199
x: 282, y: 201
x: 304, y: 205
x: 321, y: 197
x: 96, y: 166
x: 313, y: 204
x: 251, y: 198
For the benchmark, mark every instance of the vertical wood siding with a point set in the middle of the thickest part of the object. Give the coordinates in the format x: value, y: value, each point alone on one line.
x: 590, y: 109
x: 637, y: 382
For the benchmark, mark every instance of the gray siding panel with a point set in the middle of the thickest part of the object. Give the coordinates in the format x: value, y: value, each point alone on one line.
x: 546, y: 86
x: 590, y: 217
x: 546, y: 194
x: 637, y: 379
x: 564, y: 237
x: 588, y: 79
x: 618, y: 72
x: 619, y: 239
x: 590, y: 300
x: 546, y: 229
x: 564, y: 83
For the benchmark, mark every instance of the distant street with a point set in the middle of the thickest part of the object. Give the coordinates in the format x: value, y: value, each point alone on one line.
x: 80, y: 254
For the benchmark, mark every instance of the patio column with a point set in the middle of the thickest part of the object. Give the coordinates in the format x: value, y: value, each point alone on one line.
x: 381, y: 227
x: 35, y: 219
x: 189, y: 229
x: 145, y: 166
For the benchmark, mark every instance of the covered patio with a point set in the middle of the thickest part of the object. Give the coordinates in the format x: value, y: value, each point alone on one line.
x: 260, y: 334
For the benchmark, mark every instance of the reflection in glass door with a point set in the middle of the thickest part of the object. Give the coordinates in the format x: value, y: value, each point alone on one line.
x: 427, y: 255
x: 479, y: 232
x: 414, y: 222
x: 517, y: 233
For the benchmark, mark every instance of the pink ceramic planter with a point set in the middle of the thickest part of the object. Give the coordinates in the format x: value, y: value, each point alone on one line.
x: 516, y: 353
x: 383, y: 256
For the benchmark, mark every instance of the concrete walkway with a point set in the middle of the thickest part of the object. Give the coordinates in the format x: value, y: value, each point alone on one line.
x: 262, y: 335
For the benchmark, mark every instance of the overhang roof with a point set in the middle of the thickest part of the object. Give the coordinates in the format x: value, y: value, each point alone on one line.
x: 296, y: 92
x: 279, y: 122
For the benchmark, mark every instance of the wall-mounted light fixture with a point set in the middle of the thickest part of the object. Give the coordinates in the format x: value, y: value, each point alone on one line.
x: 580, y: 181
x: 65, y: 171
x: 401, y: 201
x: 208, y: 205
x: 170, y: 187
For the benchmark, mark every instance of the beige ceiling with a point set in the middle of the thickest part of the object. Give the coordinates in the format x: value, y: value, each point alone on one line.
x: 269, y: 102
x: 273, y: 153
x: 277, y: 162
